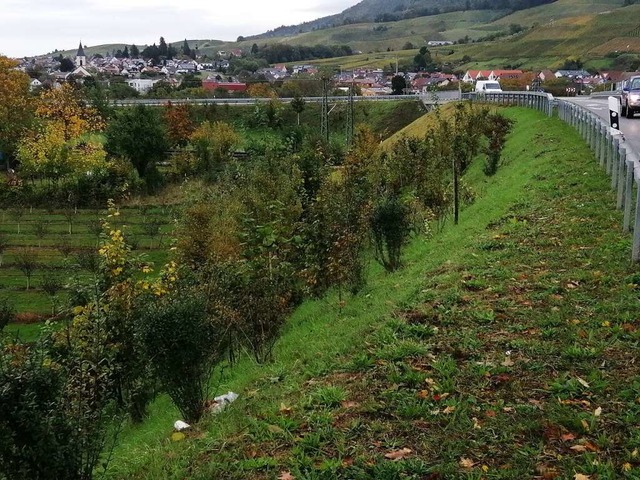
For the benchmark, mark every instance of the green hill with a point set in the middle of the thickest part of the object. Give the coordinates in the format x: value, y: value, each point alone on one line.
x: 505, y: 338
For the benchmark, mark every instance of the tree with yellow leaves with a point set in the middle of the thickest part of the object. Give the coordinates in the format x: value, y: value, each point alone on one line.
x: 60, y: 145
x: 16, y: 108
x: 66, y: 106
x: 46, y: 154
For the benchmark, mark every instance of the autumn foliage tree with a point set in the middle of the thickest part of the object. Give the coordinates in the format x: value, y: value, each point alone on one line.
x: 16, y: 107
x: 67, y: 107
x: 179, y: 124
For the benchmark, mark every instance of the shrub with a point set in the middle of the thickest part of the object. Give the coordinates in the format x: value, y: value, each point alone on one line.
x: 496, y: 129
x: 390, y: 229
x: 55, y: 412
x: 7, y: 313
x: 184, y: 346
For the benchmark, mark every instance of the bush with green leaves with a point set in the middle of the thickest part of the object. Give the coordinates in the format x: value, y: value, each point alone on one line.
x: 7, y: 313
x: 57, y: 416
x: 184, y: 345
x: 496, y: 128
x: 390, y: 229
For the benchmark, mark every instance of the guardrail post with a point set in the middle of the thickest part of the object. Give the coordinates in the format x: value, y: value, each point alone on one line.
x: 590, y: 125
x: 628, y: 193
x: 603, y: 144
x: 609, y: 155
x: 621, y: 180
x: 614, y: 163
x: 635, y: 253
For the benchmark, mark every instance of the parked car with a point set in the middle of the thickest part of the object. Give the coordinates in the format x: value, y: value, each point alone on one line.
x: 630, y: 98
x: 488, y: 86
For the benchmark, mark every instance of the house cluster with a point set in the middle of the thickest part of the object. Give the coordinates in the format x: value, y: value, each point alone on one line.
x: 582, y: 77
x: 372, y: 82
x: 138, y: 73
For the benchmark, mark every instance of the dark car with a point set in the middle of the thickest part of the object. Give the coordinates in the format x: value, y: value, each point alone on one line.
x: 631, y: 97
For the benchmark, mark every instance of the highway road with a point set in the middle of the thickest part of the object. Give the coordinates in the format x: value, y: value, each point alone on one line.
x: 599, y: 105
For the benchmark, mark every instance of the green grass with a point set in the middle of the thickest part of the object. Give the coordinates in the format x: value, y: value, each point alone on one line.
x: 52, y: 255
x: 497, y: 343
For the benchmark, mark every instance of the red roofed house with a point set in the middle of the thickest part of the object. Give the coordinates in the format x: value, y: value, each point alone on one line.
x: 473, y: 75
x: 505, y: 74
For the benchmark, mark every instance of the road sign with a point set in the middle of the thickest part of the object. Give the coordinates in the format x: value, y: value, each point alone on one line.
x: 614, y: 112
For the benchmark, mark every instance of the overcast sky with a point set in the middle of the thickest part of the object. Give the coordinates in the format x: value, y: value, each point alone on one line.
x: 32, y: 27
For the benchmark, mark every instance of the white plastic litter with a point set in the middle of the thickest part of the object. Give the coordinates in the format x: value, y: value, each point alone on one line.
x: 220, y: 402
x: 180, y: 425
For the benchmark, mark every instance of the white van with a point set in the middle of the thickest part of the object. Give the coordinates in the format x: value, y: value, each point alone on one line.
x: 488, y: 86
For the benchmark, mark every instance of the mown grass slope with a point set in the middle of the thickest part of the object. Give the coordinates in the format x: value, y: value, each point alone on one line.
x: 506, y: 348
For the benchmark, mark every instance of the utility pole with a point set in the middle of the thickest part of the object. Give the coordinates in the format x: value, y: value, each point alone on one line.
x: 350, y: 116
x: 324, y: 121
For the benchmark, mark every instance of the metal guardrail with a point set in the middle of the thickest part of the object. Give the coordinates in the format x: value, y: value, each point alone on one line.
x: 615, y: 156
x: 161, y: 102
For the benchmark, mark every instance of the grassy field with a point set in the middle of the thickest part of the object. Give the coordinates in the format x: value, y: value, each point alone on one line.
x: 504, y: 349
x: 60, y: 243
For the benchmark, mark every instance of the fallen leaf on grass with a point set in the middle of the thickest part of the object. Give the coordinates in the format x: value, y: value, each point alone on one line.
x: 466, y: 462
x: 597, y: 412
x: 284, y: 408
x: 580, y: 476
x: 422, y: 394
x: 582, y: 382
x: 626, y: 467
x: 286, y: 476
x: 507, y: 362
x: 547, y: 473
x: 584, y: 424
x: 449, y: 410
x: 350, y: 404
x: 579, y: 448
x: 177, y: 436
x: 567, y: 437
x: 397, y: 455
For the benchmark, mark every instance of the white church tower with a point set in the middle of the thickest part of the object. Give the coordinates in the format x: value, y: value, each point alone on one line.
x: 81, y: 59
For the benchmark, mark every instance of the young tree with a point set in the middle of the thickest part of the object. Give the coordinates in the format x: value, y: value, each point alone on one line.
x: 40, y: 230
x: 16, y: 107
x: 139, y: 135
x: 51, y: 285
x: 179, y: 124
x: 184, y: 346
x: 17, y: 212
x: 134, y: 52
x: 398, y: 85
x: 496, y: 128
x: 298, y: 105
x: 213, y: 143
x: 4, y: 243
x: 27, y: 263
x: 390, y: 229
x: 67, y: 107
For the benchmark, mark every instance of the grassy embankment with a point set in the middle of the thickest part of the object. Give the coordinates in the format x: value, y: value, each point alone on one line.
x: 506, y: 348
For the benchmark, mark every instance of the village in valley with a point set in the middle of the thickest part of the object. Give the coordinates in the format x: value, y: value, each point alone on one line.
x: 206, y: 77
